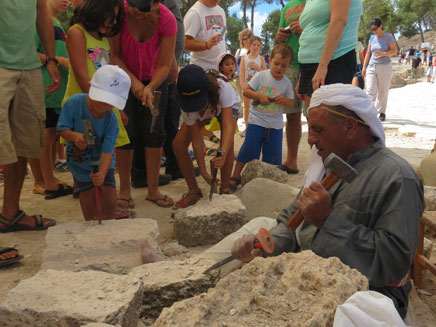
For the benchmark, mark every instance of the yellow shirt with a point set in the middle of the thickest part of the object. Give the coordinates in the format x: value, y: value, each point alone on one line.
x: 97, y: 55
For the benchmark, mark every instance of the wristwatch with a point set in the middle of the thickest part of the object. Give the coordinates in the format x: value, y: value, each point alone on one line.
x: 47, y: 59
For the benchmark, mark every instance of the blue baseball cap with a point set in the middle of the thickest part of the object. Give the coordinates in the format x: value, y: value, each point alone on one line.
x: 193, y: 88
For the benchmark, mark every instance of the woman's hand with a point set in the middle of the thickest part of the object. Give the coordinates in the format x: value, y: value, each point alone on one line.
x: 364, y: 71
x: 319, y: 77
x: 147, y: 97
x: 137, y: 89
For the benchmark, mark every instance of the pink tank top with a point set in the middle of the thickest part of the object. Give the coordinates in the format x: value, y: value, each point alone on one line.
x: 141, y: 57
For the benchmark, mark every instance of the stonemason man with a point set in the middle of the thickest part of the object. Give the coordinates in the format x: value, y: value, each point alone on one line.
x: 370, y: 224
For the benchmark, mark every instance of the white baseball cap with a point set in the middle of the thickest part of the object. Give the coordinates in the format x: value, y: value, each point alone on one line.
x: 110, y: 84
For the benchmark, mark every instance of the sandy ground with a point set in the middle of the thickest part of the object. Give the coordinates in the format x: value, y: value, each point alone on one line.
x: 67, y: 209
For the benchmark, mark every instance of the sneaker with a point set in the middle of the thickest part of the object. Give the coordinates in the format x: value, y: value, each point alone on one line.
x: 382, y: 117
x: 60, y: 166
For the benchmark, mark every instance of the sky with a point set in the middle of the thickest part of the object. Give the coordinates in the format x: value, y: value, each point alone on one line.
x: 260, y: 14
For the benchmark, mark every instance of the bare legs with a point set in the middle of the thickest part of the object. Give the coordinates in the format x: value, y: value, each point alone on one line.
x: 293, y: 136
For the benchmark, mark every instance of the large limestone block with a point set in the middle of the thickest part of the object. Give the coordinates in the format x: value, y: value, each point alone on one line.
x: 289, y: 290
x: 266, y: 198
x: 208, y: 222
x: 112, y: 246
x: 56, y: 298
x: 430, y: 198
x: 166, y: 282
x: 428, y: 169
x: 257, y: 168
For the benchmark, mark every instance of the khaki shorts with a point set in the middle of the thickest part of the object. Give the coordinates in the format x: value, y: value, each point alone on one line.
x: 292, y: 74
x: 22, y: 114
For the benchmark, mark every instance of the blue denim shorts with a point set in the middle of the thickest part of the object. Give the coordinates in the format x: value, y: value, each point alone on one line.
x: 109, y: 180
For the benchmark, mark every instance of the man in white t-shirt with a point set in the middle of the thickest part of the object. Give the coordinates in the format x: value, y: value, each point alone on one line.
x: 205, y: 24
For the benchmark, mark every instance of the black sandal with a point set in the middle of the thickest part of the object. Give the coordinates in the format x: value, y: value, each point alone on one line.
x: 61, y: 191
x: 6, y: 262
x: 14, y: 226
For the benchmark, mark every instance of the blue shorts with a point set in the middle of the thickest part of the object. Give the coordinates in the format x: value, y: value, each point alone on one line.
x: 267, y: 140
x: 109, y: 180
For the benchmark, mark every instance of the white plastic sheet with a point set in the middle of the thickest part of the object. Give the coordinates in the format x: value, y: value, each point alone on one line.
x: 367, y: 309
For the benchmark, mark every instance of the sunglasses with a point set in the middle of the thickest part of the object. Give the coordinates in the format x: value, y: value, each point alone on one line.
x: 375, y: 29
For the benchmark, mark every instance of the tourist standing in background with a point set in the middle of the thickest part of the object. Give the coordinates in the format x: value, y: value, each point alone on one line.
x: 327, y: 43
x: 378, y: 69
x: 289, y: 18
x: 205, y: 25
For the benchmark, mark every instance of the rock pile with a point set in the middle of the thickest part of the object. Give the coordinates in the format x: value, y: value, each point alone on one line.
x: 298, y: 290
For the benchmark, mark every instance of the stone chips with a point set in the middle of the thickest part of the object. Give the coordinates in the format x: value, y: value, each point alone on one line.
x: 298, y: 290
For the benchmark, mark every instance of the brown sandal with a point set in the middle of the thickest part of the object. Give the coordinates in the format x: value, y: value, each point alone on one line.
x: 182, y: 203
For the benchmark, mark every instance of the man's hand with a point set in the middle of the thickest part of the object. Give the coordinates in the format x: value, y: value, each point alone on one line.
x: 281, y: 36
x: 79, y: 141
x: 244, y: 250
x: 218, y: 162
x: 214, y: 40
x: 315, y: 204
x: 97, y: 178
x: 53, y: 71
x: 296, y: 28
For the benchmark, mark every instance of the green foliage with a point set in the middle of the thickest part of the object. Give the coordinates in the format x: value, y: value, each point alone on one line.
x: 269, y: 30
x: 234, y: 26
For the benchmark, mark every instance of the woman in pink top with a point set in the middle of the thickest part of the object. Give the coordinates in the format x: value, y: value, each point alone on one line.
x: 145, y: 50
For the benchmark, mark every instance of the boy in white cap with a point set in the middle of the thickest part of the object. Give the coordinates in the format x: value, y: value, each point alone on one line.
x: 110, y: 87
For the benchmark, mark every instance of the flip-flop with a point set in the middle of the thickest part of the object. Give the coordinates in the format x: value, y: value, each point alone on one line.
x: 288, y: 170
x: 125, y: 214
x: 61, y: 191
x: 14, y: 226
x: 129, y: 201
x: 37, y: 189
x: 165, y: 199
x: 6, y: 262
x: 182, y: 203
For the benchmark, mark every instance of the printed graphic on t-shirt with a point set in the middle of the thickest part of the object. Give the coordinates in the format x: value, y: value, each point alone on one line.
x: 271, y: 92
x: 98, y: 56
x: 293, y: 13
x: 215, y: 23
x: 250, y: 73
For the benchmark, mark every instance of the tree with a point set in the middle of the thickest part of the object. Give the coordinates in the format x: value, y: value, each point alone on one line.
x: 269, y: 30
x: 234, y: 26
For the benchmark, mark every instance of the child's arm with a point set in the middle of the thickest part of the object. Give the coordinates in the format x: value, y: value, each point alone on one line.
x: 228, y: 126
x: 197, y: 144
x: 77, y: 138
x: 262, y: 63
x: 76, y: 47
x: 65, y: 62
x: 106, y: 160
x: 283, y: 101
x: 242, y: 72
x: 252, y: 94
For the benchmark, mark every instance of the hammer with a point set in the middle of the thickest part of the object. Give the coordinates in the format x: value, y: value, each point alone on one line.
x: 338, y: 169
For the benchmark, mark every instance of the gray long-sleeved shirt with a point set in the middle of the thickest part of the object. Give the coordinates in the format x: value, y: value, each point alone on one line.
x: 373, y: 226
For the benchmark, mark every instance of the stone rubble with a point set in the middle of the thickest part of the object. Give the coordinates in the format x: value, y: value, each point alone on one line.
x: 56, y: 298
x: 275, y: 197
x: 166, y: 282
x: 257, y: 168
x: 112, y: 246
x: 298, y: 290
x: 430, y: 198
x: 209, y: 222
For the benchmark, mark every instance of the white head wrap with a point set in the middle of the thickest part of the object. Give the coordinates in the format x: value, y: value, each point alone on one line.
x: 352, y: 98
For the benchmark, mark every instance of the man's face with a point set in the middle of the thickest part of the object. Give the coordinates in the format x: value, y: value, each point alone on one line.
x: 211, y: 3
x: 326, y: 134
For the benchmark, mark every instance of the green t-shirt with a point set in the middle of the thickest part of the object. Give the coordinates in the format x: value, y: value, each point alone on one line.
x: 291, y: 13
x: 54, y: 99
x: 17, y: 27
